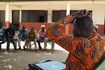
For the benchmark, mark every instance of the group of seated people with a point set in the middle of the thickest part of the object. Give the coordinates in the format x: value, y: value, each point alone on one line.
x: 8, y: 35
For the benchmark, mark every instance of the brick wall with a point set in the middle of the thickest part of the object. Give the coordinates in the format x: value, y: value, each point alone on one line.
x: 100, y: 29
x: 37, y: 25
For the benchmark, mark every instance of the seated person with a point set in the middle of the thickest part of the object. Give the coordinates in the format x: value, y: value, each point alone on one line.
x: 10, y: 33
x: 48, y: 40
x: 32, y: 36
x: 43, y: 38
x: 2, y: 35
x: 22, y: 35
x: 85, y: 46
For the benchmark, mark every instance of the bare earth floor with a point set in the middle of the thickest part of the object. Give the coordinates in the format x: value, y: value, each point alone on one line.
x: 19, y: 60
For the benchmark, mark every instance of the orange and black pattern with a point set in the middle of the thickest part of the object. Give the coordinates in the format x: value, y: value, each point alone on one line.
x: 84, y: 53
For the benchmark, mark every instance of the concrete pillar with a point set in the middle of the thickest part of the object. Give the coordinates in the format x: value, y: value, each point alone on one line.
x: 68, y: 9
x: 7, y: 11
x: 8, y: 15
x: 49, y: 16
x: 68, y: 13
x: 98, y: 17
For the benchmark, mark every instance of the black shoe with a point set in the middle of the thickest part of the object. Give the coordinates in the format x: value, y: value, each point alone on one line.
x: 19, y: 48
x: 24, y: 48
x: 40, y: 48
x: 15, y: 49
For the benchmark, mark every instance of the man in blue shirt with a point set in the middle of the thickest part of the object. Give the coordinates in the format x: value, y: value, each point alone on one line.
x: 22, y: 36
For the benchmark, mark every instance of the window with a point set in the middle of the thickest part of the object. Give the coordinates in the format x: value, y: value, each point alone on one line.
x: 15, y: 16
x: 34, y: 16
x: 15, y: 19
x: 2, y: 16
x: 58, y: 14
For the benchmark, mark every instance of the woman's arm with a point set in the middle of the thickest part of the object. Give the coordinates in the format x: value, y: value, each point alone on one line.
x: 57, y: 32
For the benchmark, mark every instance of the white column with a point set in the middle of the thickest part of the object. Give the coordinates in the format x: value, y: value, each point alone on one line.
x: 49, y: 16
x: 10, y: 15
x: 98, y: 18
x: 20, y: 16
x: 7, y: 12
x: 67, y: 30
x: 68, y: 9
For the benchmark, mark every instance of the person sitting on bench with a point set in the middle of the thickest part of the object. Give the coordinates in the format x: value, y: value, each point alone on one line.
x: 22, y: 36
x: 2, y: 35
x: 32, y: 36
x: 41, y: 36
x: 48, y: 40
x: 10, y: 33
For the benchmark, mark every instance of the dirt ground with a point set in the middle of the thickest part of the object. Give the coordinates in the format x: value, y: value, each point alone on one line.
x: 19, y: 60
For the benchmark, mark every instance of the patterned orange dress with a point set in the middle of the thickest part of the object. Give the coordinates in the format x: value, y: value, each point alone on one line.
x: 84, y: 53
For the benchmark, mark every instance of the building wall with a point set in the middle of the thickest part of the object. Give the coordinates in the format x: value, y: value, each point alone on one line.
x: 98, y: 12
x: 97, y: 8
